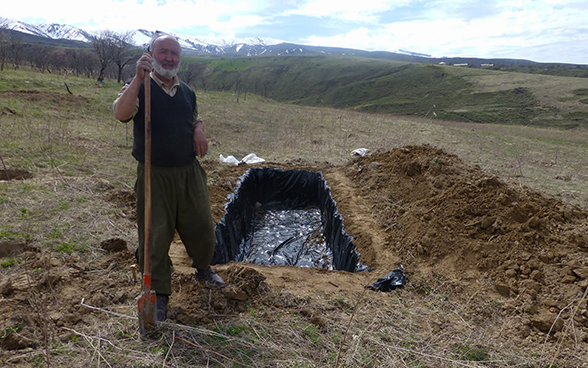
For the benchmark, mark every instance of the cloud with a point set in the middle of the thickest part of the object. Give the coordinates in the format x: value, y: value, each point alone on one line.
x: 347, y: 10
x: 483, y: 28
x: 450, y: 29
x: 146, y: 14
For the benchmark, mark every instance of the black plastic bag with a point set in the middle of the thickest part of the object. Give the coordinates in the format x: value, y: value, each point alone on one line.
x: 393, y: 280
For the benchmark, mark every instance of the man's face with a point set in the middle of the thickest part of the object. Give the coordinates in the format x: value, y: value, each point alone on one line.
x: 166, y: 56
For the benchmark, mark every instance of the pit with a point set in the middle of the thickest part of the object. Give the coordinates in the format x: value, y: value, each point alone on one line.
x: 284, y: 217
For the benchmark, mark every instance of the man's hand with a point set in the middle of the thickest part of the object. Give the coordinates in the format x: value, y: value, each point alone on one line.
x: 144, y: 66
x: 124, y: 108
x: 200, y: 142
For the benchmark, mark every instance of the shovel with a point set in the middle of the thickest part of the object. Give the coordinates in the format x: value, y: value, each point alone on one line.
x: 146, y: 303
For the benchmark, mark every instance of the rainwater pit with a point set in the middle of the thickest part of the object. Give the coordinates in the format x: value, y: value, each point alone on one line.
x: 284, y: 217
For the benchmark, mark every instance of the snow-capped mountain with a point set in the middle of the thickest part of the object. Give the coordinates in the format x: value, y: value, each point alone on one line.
x: 191, y: 45
x: 201, y: 45
x: 53, y: 31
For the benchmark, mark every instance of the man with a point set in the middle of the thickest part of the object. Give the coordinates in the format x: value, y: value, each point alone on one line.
x: 179, y: 188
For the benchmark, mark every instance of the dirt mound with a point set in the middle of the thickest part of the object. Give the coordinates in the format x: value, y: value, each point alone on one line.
x: 200, y: 303
x: 509, y: 242
x: 491, y: 244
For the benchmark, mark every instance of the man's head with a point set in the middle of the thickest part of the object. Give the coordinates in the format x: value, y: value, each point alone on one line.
x: 166, y: 52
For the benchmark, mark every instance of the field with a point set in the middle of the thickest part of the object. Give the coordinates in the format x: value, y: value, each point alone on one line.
x: 489, y: 221
x: 443, y: 92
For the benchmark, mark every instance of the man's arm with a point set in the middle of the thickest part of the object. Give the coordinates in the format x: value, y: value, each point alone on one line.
x: 124, y: 107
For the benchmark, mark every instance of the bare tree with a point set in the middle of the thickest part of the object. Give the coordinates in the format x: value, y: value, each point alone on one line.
x: 11, y: 46
x: 112, y: 47
x: 4, y: 42
x: 88, y: 63
x: 38, y: 57
x: 16, y: 47
x: 56, y: 60
x: 190, y: 73
x: 102, y: 44
x: 238, y: 83
x: 123, y: 52
x: 204, y: 78
x: 76, y: 60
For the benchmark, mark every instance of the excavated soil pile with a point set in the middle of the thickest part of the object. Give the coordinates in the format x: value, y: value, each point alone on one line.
x: 483, y: 235
x: 512, y: 261
x: 453, y: 218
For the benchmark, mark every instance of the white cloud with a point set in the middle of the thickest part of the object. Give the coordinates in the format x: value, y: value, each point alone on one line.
x: 361, y: 36
x: 511, y: 31
x: 239, y: 21
x: 349, y: 10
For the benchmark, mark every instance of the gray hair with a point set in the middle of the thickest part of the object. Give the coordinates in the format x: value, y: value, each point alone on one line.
x: 155, y: 36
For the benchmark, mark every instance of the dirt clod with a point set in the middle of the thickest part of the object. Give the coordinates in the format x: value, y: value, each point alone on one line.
x: 114, y: 245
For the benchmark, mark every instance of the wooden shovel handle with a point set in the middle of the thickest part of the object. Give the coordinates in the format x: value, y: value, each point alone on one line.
x: 147, y: 252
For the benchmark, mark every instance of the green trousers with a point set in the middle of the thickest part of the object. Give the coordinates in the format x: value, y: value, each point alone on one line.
x: 179, y: 202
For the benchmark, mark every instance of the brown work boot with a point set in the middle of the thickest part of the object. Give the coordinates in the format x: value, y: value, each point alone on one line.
x: 161, y: 309
x: 208, y: 275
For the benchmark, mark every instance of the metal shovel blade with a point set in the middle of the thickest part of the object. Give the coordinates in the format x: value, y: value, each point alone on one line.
x: 147, y: 310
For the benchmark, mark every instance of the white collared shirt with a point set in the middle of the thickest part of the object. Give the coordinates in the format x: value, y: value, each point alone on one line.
x: 167, y: 89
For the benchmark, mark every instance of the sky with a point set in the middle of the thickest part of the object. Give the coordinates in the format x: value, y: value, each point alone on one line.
x: 538, y: 30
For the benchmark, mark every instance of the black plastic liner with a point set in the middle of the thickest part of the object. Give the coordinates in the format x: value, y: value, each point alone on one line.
x: 264, y: 189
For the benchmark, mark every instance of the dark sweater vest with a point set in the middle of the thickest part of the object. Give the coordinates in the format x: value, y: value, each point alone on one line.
x: 171, y: 126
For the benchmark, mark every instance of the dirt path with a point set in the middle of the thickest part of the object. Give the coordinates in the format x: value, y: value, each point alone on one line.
x: 355, y: 207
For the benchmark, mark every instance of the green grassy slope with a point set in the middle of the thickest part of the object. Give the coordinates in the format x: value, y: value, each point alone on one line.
x: 444, y: 92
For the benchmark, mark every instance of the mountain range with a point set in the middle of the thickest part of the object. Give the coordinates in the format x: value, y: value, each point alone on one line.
x: 70, y: 36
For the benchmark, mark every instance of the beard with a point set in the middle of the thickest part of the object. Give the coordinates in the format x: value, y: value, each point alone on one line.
x: 166, y: 73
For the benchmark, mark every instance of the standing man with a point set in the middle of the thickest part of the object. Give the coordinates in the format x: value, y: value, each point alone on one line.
x: 179, y: 187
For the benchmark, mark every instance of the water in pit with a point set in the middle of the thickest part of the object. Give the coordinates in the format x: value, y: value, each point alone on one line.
x: 288, y: 237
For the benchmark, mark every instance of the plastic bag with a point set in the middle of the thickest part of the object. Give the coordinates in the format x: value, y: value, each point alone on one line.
x: 393, y: 280
x: 360, y: 152
x: 229, y: 160
x: 251, y: 158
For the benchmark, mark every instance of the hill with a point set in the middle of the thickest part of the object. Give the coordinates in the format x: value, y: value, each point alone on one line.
x: 488, y: 220
x: 424, y: 90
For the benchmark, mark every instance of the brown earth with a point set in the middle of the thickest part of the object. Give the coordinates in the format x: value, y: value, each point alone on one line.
x: 502, y: 264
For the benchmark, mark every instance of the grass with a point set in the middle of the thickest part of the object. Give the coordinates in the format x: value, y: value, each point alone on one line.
x: 542, y: 155
x: 9, y: 262
x: 78, y: 153
x: 385, y: 86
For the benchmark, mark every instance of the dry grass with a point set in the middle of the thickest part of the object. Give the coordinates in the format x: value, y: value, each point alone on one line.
x: 77, y: 154
x: 268, y: 337
x: 273, y: 336
x: 549, y: 160
x: 549, y: 89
